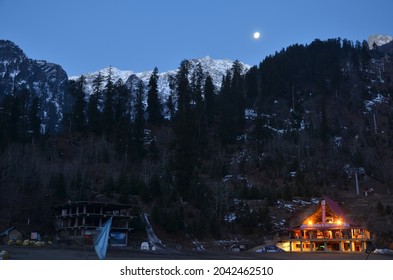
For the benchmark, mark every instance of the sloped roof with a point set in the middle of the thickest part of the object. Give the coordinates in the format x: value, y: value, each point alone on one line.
x: 332, y: 209
x: 337, y: 210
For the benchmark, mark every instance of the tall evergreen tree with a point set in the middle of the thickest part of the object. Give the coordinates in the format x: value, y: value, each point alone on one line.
x: 78, y: 111
x: 15, y: 116
x: 153, y: 102
x: 183, y: 125
x: 210, y: 98
x: 122, y: 101
x: 232, y: 104
x: 251, y: 80
x: 183, y: 92
x: 197, y: 78
x: 139, y: 122
x: 238, y: 95
x: 226, y: 127
x: 7, y: 121
x: 23, y: 102
x: 93, y: 107
x: 108, y: 111
x: 170, y: 103
x: 122, y: 107
x: 198, y: 109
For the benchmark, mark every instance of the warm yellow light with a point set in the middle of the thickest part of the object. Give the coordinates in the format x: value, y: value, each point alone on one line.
x: 310, y: 223
x: 339, y: 222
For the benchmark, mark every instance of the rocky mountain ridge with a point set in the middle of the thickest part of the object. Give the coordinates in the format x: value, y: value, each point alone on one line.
x: 216, y: 68
x: 46, y: 80
x: 379, y: 40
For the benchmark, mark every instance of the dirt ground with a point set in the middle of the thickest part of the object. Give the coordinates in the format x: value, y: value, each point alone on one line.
x: 88, y: 253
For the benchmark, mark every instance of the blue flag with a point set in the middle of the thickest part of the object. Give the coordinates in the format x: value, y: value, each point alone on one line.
x: 101, y: 244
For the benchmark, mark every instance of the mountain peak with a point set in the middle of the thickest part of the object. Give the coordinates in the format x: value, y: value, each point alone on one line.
x: 216, y: 68
x: 10, y: 49
x: 379, y: 40
x: 45, y: 80
x: 116, y: 74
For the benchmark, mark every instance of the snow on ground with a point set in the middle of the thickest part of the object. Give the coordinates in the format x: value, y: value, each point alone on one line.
x: 198, y: 246
x: 383, y: 251
x: 280, y: 223
x: 378, y: 99
x: 288, y: 206
x: 230, y: 217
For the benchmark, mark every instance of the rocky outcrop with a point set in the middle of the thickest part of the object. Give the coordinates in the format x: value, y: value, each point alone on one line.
x: 378, y: 40
x: 46, y: 80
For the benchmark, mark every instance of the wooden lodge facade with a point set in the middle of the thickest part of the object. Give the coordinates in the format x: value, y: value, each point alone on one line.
x: 80, y: 221
x: 328, y: 230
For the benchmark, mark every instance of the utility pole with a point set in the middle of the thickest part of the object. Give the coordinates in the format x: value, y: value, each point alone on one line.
x: 357, y: 183
x: 356, y: 170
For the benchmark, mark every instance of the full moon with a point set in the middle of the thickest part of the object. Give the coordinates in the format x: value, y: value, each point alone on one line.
x: 257, y: 35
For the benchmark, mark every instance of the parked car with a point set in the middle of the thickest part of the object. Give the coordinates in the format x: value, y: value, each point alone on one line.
x: 270, y: 249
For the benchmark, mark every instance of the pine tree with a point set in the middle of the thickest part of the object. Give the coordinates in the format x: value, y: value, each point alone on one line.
x: 122, y: 102
x: 183, y: 93
x: 22, y: 105
x: 7, y: 129
x: 365, y: 53
x: 139, y: 123
x: 183, y: 126
x: 108, y: 111
x: 197, y: 78
x: 210, y: 98
x: 93, y: 108
x: 170, y: 104
x: 198, y: 110
x: 122, y: 107
x: 232, y: 104
x: 16, y: 117
x: 78, y: 118
x: 153, y: 103
x: 237, y: 95
x: 251, y: 81
x: 226, y: 127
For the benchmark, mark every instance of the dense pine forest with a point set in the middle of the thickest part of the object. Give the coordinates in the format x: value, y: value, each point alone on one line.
x: 209, y: 162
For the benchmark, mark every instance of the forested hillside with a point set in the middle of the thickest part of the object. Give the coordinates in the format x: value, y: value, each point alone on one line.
x: 209, y: 162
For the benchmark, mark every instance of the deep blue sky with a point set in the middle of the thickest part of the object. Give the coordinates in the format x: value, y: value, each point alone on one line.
x: 87, y: 35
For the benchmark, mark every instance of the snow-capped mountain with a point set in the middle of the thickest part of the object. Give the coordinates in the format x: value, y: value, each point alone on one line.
x: 217, y: 68
x: 46, y: 80
x: 379, y: 40
x: 116, y: 74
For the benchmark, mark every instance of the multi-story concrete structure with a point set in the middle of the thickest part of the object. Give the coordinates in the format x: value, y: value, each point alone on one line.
x: 80, y: 221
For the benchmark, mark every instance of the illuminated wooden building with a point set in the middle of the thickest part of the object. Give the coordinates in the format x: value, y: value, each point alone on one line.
x: 327, y: 229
